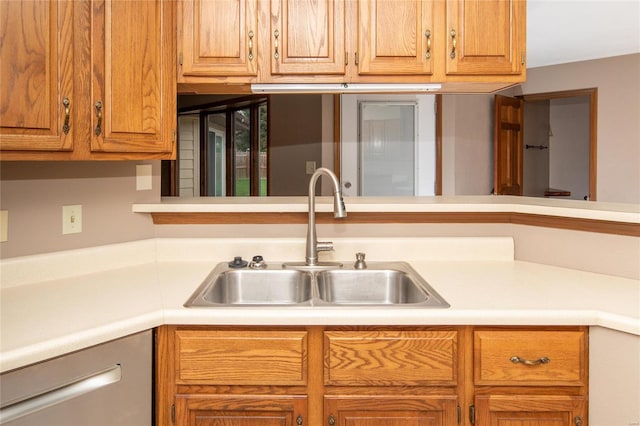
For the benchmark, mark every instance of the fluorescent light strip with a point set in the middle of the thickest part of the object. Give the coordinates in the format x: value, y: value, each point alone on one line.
x: 344, y: 88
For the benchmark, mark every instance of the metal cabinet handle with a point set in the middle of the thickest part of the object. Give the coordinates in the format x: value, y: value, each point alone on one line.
x: 332, y: 420
x: 63, y: 393
x: 299, y: 420
x: 67, y: 113
x: 454, y: 43
x: 427, y: 34
x: 542, y: 360
x: 251, y: 45
x: 276, y: 34
x: 98, y: 106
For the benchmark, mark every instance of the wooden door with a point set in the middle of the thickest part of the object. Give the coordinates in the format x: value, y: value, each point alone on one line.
x: 387, y: 410
x: 134, y: 92
x: 307, y: 37
x: 526, y: 410
x: 507, y: 145
x: 36, y: 71
x: 485, y: 37
x: 395, y: 37
x: 218, y: 38
x: 241, y: 410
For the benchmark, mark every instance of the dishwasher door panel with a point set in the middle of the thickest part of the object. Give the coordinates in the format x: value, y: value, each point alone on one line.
x: 123, y: 395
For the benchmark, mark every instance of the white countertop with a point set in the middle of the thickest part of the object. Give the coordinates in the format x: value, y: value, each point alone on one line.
x: 140, y: 285
x: 617, y: 212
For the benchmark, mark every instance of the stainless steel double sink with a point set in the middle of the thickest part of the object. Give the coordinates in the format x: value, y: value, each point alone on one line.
x: 394, y: 284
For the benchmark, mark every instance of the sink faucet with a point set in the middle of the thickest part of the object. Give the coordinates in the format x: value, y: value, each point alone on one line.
x: 313, y: 245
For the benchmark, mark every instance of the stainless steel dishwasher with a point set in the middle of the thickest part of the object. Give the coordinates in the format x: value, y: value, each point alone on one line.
x: 105, y: 385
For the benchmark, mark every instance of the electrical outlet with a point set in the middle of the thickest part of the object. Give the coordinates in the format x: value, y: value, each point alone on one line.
x: 71, y: 219
x: 4, y: 226
x: 310, y: 167
x: 144, y: 177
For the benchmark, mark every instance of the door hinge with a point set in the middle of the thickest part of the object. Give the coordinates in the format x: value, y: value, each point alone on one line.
x: 459, y: 414
x: 180, y: 58
x: 472, y: 414
x: 173, y: 413
x: 173, y: 136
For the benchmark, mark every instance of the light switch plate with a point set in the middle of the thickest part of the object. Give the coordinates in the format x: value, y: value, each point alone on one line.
x: 310, y: 167
x: 71, y: 219
x: 4, y: 225
x: 144, y: 177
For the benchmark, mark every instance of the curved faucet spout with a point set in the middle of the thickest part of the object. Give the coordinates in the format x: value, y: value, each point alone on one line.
x: 339, y: 211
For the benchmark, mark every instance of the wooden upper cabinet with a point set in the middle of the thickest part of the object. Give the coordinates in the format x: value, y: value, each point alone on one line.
x: 133, y: 98
x: 485, y: 37
x: 36, y: 72
x: 307, y: 37
x: 218, y: 38
x: 395, y: 37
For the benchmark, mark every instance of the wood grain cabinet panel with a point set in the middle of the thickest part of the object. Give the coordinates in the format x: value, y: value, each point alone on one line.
x: 218, y: 38
x: 240, y: 410
x: 221, y: 357
x: 307, y: 37
x: 396, y: 37
x: 391, y: 410
x: 527, y: 410
x: 529, y: 358
x: 389, y: 358
x: 485, y: 37
x: 133, y: 96
x: 36, y: 71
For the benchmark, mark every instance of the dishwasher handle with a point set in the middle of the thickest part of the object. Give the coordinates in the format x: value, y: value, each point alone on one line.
x: 60, y: 394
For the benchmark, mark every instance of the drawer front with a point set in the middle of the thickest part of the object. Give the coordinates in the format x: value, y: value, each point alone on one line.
x: 229, y: 357
x: 390, y: 358
x: 533, y: 358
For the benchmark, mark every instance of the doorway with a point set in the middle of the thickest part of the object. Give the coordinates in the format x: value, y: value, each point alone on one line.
x: 545, y: 145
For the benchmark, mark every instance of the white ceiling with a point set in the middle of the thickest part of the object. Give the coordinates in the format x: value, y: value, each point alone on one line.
x: 560, y: 31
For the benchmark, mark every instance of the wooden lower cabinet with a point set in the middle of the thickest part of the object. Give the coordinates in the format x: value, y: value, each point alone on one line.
x: 391, y: 410
x: 240, y: 410
x: 527, y: 410
x: 371, y: 376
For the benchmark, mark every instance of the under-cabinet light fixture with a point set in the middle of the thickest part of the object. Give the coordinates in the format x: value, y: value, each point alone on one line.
x: 344, y: 88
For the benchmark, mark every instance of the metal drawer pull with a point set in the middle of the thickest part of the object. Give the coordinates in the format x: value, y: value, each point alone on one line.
x: 67, y: 114
x: 276, y: 34
x: 58, y: 395
x: 427, y: 34
x: 542, y: 360
x: 453, y: 43
x: 251, y: 45
x: 98, y: 106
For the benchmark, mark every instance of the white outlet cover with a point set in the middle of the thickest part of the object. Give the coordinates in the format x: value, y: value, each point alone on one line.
x: 4, y: 225
x: 71, y: 219
x: 144, y: 177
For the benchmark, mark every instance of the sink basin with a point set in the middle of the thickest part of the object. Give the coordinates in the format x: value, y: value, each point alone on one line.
x: 380, y: 284
x: 377, y: 285
x: 254, y: 287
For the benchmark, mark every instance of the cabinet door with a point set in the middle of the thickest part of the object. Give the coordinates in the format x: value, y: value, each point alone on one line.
x: 218, y: 38
x: 307, y: 37
x: 485, y: 37
x: 387, y: 410
x: 240, y: 410
x: 36, y: 71
x: 395, y: 37
x: 525, y: 410
x: 134, y: 89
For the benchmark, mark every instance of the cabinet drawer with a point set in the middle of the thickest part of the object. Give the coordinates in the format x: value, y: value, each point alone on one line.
x: 524, y: 358
x: 227, y: 357
x: 390, y: 358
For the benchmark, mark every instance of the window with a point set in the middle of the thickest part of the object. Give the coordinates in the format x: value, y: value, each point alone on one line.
x: 223, y: 150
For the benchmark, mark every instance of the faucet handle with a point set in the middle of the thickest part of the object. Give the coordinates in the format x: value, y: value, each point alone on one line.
x: 324, y: 246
